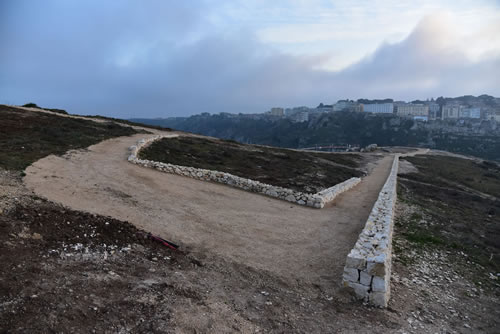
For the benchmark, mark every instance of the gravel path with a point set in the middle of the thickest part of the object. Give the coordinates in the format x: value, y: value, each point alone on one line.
x: 285, y: 239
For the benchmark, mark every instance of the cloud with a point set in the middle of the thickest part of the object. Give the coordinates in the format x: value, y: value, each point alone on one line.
x: 424, y: 64
x: 171, y: 59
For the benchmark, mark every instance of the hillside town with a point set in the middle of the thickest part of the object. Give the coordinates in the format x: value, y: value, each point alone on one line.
x: 465, y: 124
x: 483, y: 107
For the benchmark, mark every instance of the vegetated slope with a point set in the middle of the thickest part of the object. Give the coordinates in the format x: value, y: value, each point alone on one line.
x: 34, y: 105
x: 94, y: 273
x: 302, y: 171
x: 26, y: 136
x: 105, y: 118
x: 473, y: 137
x: 126, y: 122
x: 453, y: 214
x: 457, y: 173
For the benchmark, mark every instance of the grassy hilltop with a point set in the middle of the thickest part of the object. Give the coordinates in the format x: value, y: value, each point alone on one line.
x: 27, y: 136
x: 308, y: 172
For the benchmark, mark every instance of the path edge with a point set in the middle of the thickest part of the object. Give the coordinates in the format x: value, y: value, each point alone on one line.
x: 318, y: 200
x: 367, y: 271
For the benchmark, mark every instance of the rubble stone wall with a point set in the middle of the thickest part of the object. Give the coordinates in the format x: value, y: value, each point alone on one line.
x: 368, y: 266
x: 318, y: 200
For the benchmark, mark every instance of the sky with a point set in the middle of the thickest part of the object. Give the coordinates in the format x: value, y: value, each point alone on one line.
x: 177, y: 58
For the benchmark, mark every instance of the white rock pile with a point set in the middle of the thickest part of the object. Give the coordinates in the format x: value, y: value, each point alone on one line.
x: 318, y: 200
x: 368, y: 266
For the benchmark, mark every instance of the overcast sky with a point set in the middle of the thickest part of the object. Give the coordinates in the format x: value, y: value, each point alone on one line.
x: 175, y: 58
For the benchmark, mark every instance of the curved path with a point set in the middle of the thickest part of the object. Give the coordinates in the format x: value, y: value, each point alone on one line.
x: 265, y: 233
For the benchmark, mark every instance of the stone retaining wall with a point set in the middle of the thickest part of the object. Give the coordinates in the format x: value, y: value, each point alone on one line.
x: 368, y: 266
x: 317, y: 200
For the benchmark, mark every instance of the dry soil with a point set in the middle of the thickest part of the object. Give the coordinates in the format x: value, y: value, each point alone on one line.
x: 289, y: 240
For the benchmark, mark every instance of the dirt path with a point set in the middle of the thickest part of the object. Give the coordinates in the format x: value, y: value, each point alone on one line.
x: 286, y: 239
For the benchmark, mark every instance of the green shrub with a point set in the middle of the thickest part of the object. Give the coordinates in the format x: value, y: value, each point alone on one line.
x: 34, y: 105
x: 31, y: 105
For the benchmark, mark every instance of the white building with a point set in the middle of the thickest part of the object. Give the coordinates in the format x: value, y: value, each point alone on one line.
x: 470, y: 113
x: 493, y: 115
x: 434, y: 109
x: 347, y: 105
x: 379, y: 108
x: 277, y: 112
x: 451, y: 111
x: 300, y: 116
x: 323, y: 108
x: 292, y: 111
x: 341, y: 105
x: 412, y: 110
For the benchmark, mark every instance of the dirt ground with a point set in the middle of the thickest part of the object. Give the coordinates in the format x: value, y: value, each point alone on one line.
x: 70, y: 271
x: 289, y: 240
x: 247, y: 263
x: 436, y: 290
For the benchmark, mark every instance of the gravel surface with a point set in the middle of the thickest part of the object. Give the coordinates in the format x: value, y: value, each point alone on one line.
x: 290, y: 240
x: 68, y: 271
x: 247, y: 263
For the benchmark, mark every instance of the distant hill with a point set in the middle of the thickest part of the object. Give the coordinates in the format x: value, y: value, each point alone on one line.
x: 477, y: 138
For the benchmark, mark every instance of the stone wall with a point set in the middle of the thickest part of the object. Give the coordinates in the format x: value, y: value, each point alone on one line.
x: 318, y: 200
x: 368, y: 266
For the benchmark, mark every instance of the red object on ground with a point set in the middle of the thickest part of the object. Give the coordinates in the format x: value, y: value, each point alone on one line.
x: 167, y: 243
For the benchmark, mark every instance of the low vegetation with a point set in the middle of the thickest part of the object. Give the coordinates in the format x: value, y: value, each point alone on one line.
x: 470, y: 137
x: 457, y: 173
x: 33, y: 105
x: 458, y: 207
x: 302, y: 171
x: 27, y: 136
x: 131, y: 123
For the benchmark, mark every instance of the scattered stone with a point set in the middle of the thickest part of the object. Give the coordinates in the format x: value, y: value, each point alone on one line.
x: 36, y: 236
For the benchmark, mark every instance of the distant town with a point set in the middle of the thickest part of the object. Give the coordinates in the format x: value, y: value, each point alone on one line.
x: 483, y: 107
x: 465, y: 124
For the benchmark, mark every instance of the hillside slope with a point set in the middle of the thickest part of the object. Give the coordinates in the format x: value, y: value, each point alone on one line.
x: 247, y: 263
x: 304, y: 171
x: 28, y: 135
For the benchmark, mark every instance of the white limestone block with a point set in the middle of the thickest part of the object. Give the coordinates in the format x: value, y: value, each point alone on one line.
x: 355, y: 260
x: 379, y: 299
x: 365, y: 278
x: 361, y: 291
x: 379, y: 284
x: 351, y: 275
